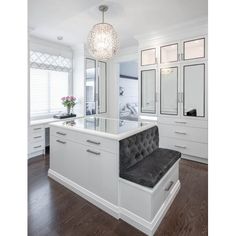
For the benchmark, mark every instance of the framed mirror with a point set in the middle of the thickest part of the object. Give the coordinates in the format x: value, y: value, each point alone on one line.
x: 90, y: 86
x: 169, y: 53
x: 169, y: 91
x: 194, y: 90
x: 194, y: 49
x: 148, y: 57
x: 102, y: 87
x: 148, y: 91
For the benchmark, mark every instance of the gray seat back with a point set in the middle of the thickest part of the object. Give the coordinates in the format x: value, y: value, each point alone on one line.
x: 135, y: 148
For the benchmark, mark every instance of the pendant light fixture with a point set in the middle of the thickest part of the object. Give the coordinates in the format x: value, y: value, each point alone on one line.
x: 102, y: 39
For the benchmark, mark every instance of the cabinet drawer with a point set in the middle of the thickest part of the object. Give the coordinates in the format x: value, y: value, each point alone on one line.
x: 36, y: 128
x: 189, y: 122
x: 86, y: 139
x: 164, y: 188
x: 185, y: 147
x: 36, y: 136
x: 184, y: 133
x: 35, y: 147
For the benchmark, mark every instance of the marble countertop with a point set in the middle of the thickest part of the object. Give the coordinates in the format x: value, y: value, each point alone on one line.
x: 104, y: 127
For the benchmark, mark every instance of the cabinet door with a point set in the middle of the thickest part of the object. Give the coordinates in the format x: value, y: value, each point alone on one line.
x: 90, y: 86
x: 194, y: 90
x: 194, y: 49
x: 169, y: 83
x: 148, y: 57
x: 148, y: 91
x: 169, y: 53
x: 102, y: 87
x: 69, y: 159
x: 102, y: 174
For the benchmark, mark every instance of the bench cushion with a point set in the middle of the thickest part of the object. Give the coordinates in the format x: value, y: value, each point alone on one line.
x: 150, y: 170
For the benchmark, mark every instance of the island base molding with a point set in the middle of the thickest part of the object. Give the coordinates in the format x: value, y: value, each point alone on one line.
x: 147, y: 227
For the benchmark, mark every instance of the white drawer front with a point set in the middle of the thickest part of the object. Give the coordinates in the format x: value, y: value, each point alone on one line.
x: 86, y: 139
x: 35, y: 147
x: 185, y: 147
x: 165, y: 186
x: 190, y: 122
x: 184, y: 133
x: 36, y: 128
x: 36, y: 136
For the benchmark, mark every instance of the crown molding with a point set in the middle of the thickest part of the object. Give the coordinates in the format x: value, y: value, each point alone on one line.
x: 197, y: 26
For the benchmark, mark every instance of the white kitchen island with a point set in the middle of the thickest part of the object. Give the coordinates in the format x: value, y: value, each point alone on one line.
x: 84, y: 157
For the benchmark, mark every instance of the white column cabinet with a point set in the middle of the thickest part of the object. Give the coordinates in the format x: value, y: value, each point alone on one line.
x: 180, y: 96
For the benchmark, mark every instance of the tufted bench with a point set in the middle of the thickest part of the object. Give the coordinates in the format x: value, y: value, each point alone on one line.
x: 141, y: 159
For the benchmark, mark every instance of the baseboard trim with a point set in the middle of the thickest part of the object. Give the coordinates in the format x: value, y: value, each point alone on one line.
x: 84, y: 193
x: 138, y: 222
x: 193, y: 158
x: 145, y: 226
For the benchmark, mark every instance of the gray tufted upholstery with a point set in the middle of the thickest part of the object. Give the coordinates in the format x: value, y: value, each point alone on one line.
x: 141, y: 159
x: 134, y: 148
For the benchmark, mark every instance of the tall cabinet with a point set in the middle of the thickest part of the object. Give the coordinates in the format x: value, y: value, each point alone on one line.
x: 173, y: 91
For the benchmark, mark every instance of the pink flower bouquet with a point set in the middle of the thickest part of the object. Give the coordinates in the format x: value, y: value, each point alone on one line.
x: 68, y: 102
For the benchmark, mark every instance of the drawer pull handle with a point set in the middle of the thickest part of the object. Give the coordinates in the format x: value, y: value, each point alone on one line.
x: 96, y: 153
x: 37, y: 128
x: 38, y: 146
x: 181, y: 122
x: 170, y: 185
x: 180, y: 146
x: 61, y: 133
x: 93, y: 142
x: 59, y: 141
x: 178, y: 132
x: 38, y: 137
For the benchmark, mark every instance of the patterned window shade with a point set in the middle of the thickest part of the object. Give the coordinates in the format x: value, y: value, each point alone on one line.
x: 45, y: 61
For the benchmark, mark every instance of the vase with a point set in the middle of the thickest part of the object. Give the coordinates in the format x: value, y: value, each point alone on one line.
x: 68, y: 110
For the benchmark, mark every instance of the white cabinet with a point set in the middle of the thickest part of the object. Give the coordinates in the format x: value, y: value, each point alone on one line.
x: 87, y: 164
x: 36, y: 140
x: 180, y: 95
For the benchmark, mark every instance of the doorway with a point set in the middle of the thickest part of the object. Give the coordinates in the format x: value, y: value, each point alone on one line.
x: 128, y: 90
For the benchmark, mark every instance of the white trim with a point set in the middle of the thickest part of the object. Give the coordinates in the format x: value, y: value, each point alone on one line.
x: 138, y: 222
x: 146, y: 227
x: 193, y: 158
x: 35, y: 154
x: 84, y: 193
x: 175, y: 32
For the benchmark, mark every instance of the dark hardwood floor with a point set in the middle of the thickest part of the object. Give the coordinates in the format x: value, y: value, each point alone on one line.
x: 54, y: 210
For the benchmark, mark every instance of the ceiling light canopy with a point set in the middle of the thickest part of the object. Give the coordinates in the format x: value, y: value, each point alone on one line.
x: 102, y: 39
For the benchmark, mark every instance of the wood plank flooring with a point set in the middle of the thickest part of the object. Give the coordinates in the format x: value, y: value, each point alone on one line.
x: 54, y: 210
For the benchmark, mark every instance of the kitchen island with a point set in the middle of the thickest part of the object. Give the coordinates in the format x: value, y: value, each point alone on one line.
x: 85, y: 157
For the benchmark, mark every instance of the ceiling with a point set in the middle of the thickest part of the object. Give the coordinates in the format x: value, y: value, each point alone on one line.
x: 73, y: 19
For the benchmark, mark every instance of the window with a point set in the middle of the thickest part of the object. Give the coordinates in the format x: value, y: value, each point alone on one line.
x: 49, y: 81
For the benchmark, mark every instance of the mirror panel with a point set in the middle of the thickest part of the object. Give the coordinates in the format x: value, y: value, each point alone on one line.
x: 169, y: 53
x: 148, y: 57
x: 194, y: 90
x: 169, y: 91
x: 194, y: 49
x: 148, y: 91
x: 102, y: 87
x: 90, y: 86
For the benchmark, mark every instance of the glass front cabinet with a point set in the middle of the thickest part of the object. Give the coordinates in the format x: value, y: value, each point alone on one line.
x: 173, y: 79
x: 95, y: 87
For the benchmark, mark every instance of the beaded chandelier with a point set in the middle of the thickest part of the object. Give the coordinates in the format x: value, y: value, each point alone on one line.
x: 102, y: 39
